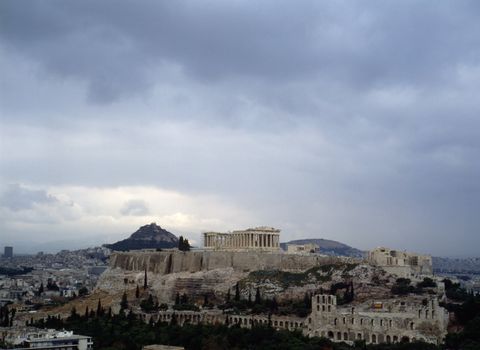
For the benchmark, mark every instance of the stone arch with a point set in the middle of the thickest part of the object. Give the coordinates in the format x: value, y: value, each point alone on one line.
x: 374, y: 339
x: 359, y: 336
x: 335, y: 321
x: 405, y: 339
x: 389, y: 339
x: 395, y: 339
x: 330, y: 334
x: 345, y: 336
x: 412, y: 325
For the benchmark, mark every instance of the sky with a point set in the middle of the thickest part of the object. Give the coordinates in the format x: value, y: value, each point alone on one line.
x: 357, y: 121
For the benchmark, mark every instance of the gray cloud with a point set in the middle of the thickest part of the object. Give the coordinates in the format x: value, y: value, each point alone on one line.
x: 135, y: 207
x: 355, y: 121
x: 17, y: 197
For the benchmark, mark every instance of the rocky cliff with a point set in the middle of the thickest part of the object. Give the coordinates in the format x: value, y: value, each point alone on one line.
x: 173, y: 261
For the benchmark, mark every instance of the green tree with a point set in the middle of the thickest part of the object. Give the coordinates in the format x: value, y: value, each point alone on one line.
x: 145, y: 280
x: 258, y: 297
x: 124, y: 302
x: 41, y: 289
x: 99, y: 308
x: 237, y: 292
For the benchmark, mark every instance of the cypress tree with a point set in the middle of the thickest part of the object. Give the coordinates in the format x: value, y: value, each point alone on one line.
x: 237, y: 292
x: 124, y: 302
x: 228, y: 296
x: 205, y: 300
x: 99, y: 308
x: 258, y: 298
x: 145, y: 281
x: 73, y: 313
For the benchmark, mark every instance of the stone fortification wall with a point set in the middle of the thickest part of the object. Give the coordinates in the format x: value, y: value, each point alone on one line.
x: 166, y: 262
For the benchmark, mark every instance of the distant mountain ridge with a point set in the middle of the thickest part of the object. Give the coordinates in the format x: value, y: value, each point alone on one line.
x: 149, y: 236
x: 328, y: 247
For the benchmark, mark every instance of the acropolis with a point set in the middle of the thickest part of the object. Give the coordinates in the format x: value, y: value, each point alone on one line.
x: 261, y: 238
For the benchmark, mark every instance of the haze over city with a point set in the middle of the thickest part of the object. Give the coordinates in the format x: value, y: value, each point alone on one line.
x: 352, y: 121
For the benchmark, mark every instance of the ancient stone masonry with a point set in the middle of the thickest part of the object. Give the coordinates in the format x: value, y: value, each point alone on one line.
x: 217, y: 317
x: 167, y: 262
x: 402, y: 264
x: 376, y: 322
x: 259, y: 238
x: 389, y: 321
x: 306, y: 248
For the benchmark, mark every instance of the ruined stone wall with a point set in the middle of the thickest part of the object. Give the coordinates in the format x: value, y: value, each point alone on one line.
x: 166, y: 262
x: 391, y: 324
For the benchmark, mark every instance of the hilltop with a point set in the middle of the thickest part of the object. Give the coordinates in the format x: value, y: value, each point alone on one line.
x: 149, y: 236
x: 328, y: 247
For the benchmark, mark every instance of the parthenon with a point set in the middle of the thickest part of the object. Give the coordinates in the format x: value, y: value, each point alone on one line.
x: 259, y: 238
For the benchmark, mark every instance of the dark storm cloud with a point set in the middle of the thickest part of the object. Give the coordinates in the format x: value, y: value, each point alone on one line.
x: 116, y: 47
x: 357, y: 120
x: 17, y: 197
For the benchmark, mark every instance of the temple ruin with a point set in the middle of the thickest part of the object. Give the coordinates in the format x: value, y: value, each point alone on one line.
x: 258, y: 239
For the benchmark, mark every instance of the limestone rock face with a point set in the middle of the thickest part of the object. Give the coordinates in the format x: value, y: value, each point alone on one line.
x: 213, y: 273
x: 214, y: 283
x: 166, y: 262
